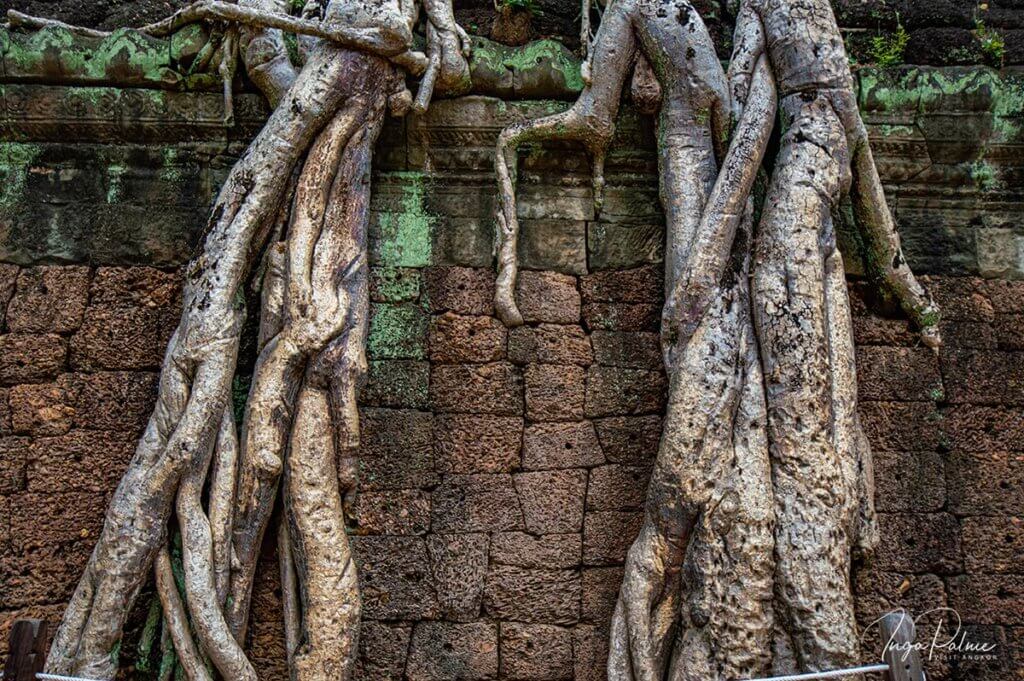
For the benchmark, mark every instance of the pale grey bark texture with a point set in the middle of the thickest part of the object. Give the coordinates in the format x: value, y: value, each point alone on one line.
x: 762, y: 487
x: 293, y: 215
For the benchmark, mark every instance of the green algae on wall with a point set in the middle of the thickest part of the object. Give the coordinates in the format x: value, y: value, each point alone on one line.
x: 539, y: 69
x: 15, y: 164
x: 404, y: 237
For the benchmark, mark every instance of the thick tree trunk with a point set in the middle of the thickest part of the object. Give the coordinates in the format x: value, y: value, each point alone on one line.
x: 762, y: 487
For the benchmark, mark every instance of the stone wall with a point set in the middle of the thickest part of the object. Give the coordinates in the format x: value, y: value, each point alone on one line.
x: 503, y: 472
x: 936, y: 32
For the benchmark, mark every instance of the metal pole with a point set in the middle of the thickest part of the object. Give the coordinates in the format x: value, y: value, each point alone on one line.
x: 835, y: 673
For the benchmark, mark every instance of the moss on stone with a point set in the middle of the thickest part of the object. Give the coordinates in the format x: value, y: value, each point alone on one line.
x: 405, y: 233
x: 397, y: 332
x: 15, y: 162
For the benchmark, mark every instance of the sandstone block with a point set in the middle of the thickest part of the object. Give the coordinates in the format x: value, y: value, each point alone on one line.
x: 607, y: 536
x: 622, y: 316
x: 629, y: 439
x: 554, y: 245
x: 79, y: 461
x: 548, y: 297
x: 382, y: 650
x: 14, y: 455
x: 919, y: 542
x: 993, y: 545
x: 393, y: 512
x: 984, y: 377
x: 898, y: 374
x: 550, y: 551
x: 394, y: 578
x: 614, y: 391
x: 28, y: 358
x: 988, y: 599
x: 600, y: 593
x: 41, y: 408
x: 462, y: 290
x: 640, y: 285
x: 902, y: 426
x: 909, y: 482
x: 617, y: 488
x: 972, y: 428
x: 590, y: 653
x: 122, y: 338
x: 985, y: 484
x: 634, y: 350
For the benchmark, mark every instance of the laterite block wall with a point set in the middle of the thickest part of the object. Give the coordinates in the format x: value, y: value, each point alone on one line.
x: 503, y: 472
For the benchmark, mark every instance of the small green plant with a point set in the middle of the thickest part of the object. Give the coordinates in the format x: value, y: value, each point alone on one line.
x: 887, y: 50
x: 993, y: 46
x: 526, y: 5
x: 297, y: 5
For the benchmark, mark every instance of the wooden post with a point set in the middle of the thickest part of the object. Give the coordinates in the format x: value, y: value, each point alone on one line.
x: 27, y: 652
x: 903, y: 659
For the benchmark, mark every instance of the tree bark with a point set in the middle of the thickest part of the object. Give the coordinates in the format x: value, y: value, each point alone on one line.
x: 762, y: 487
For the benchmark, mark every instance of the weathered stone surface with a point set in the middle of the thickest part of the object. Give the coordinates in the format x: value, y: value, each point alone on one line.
x: 561, y: 445
x: 393, y: 512
x: 49, y: 300
x: 394, y: 578
x: 5, y: 412
x: 71, y: 517
x: 122, y: 338
x: 614, y: 391
x: 636, y: 350
x: 971, y: 428
x: 590, y: 653
x: 42, y: 574
x: 898, y: 374
x: 984, y: 377
x: 552, y: 501
x: 548, y: 297
x: 600, y: 593
x: 993, y: 545
x: 617, y: 488
x: 28, y: 358
x: 41, y: 409
x: 476, y: 503
x: 395, y: 284
x: 382, y: 650
x: 14, y: 454
x: 622, y: 245
x: 988, y: 599
x: 607, y: 536
x: 456, y: 338
x: 79, y: 461
x: 909, y: 482
x: 397, y: 331
x: 919, y: 542
x: 629, y: 439
x: 550, y: 551
x: 984, y: 484
x: 397, y: 383
x: 902, y: 426
x: 459, y: 564
x: 549, y: 344
x: 441, y: 651
x: 554, y: 392
x: 554, y: 245
x: 462, y: 290
x: 477, y: 389
x: 640, y: 285
x: 535, y: 652
x: 622, y: 316
x: 467, y: 443
x: 524, y: 595
x: 8, y: 283
x: 397, y: 449
x: 112, y: 400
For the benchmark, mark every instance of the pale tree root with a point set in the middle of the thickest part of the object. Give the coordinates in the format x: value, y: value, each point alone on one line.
x: 195, y: 383
x: 800, y: 310
x: 696, y: 597
x: 321, y: 302
x: 590, y: 121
